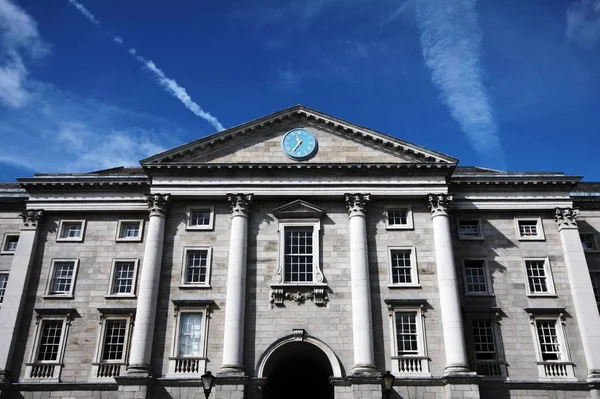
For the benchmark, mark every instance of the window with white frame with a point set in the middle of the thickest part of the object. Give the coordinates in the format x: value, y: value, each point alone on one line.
x: 300, y: 246
x: 529, y: 228
x: 476, y: 277
x: 62, y: 277
x: 9, y: 244
x: 407, y: 328
x: 539, y: 277
x: 200, y: 218
x: 588, y: 241
x: 196, y: 267
x: 3, y: 281
x: 188, y: 355
x: 130, y: 230
x: 403, y: 266
x: 469, y: 229
x: 399, y: 218
x: 123, y: 277
x: 49, y: 345
x: 71, y: 230
x: 113, y: 343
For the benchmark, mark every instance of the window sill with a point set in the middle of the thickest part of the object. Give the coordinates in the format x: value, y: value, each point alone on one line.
x: 484, y: 294
x: 404, y: 286
x: 194, y: 286
x: 7, y: 252
x: 58, y: 296
x: 78, y: 239
x: 200, y: 228
x: 531, y: 238
x: 120, y: 296
x: 400, y: 227
x: 136, y: 239
x: 302, y: 284
x: 468, y: 238
x: 548, y: 295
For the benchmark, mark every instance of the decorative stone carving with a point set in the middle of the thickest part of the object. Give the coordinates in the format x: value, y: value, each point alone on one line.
x: 299, y: 334
x: 301, y: 294
x: 158, y: 203
x: 357, y: 204
x: 31, y: 217
x: 566, y: 217
x: 239, y: 204
x: 439, y: 203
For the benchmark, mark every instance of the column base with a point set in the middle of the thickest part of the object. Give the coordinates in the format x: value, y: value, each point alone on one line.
x: 458, y: 370
x: 365, y: 370
x: 141, y: 371
x: 231, y: 370
x: 593, y: 376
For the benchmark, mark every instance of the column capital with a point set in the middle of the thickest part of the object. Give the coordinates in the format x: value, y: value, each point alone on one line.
x: 31, y: 217
x: 239, y: 204
x: 566, y: 217
x: 439, y: 203
x: 357, y: 204
x: 158, y: 204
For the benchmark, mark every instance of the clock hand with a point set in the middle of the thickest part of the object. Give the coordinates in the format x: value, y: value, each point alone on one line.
x: 297, y: 145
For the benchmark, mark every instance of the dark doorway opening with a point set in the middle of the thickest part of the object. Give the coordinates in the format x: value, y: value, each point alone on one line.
x: 300, y: 371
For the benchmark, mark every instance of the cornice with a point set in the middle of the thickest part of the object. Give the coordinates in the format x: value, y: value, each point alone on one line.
x: 101, y: 182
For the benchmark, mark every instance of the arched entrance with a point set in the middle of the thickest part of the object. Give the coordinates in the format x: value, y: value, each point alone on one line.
x: 297, y: 369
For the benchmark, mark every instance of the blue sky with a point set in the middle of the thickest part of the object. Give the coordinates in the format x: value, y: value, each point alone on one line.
x: 512, y: 84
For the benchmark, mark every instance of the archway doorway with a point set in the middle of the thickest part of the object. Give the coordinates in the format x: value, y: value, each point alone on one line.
x: 298, y: 370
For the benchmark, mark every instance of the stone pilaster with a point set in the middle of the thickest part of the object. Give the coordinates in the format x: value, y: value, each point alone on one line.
x: 582, y: 291
x: 233, y: 341
x: 362, y: 324
x: 16, y: 289
x: 140, y: 356
x: 452, y: 325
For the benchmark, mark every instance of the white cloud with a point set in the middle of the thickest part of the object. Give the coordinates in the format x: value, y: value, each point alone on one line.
x: 19, y: 40
x: 451, y: 42
x: 583, y: 23
x: 85, y: 12
x: 118, y: 39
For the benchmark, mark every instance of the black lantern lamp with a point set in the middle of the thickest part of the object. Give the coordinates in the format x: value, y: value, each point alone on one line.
x: 208, y: 382
x: 388, y: 383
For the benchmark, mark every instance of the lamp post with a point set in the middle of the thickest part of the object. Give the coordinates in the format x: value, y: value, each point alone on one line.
x: 208, y: 382
x: 388, y: 383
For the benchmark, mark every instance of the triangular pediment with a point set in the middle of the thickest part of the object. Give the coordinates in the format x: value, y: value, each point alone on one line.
x: 298, y: 209
x: 259, y: 142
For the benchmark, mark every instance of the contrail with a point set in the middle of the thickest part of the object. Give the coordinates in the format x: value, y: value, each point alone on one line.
x: 451, y: 42
x: 169, y: 85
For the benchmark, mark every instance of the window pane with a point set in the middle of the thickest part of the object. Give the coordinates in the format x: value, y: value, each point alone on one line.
x: 130, y: 230
x: 536, y: 276
x: 298, y: 254
x: 549, y: 345
x: 200, y: 217
x: 469, y: 228
x: 475, y: 277
x: 587, y: 240
x: 63, y: 277
x: 123, y: 278
x: 71, y: 230
x: 114, y: 340
x: 406, y: 333
x: 401, y: 267
x: 483, y: 340
x: 11, y: 243
x: 397, y: 217
x: 190, y: 334
x: 197, y: 266
x: 3, y: 280
x: 50, y: 340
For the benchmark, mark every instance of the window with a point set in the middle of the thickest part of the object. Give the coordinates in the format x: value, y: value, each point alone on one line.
x: 486, y: 352
x: 200, y: 218
x: 476, y: 277
x: 539, y: 277
x: 529, y: 229
x: 3, y: 281
x: 113, y: 344
x: 403, y: 267
x: 399, y: 218
x: 189, y: 340
x: 62, y: 277
x: 409, y: 352
x: 9, y: 244
x: 469, y: 229
x: 298, y: 254
x: 71, y: 230
x: 588, y: 241
x: 551, y: 343
x: 196, y: 267
x: 130, y: 230
x: 48, y: 350
x: 123, y: 277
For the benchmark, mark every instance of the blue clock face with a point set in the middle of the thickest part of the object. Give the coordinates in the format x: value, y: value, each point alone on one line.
x: 299, y: 144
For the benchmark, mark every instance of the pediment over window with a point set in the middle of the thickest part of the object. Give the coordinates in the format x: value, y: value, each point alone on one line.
x: 298, y: 209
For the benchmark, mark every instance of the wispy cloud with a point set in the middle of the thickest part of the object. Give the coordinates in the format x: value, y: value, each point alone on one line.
x: 170, y: 85
x: 451, y: 42
x: 85, y: 12
x: 287, y: 79
x: 583, y: 23
x: 20, y: 41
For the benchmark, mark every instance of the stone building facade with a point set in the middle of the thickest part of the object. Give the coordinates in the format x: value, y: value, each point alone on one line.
x: 299, y: 255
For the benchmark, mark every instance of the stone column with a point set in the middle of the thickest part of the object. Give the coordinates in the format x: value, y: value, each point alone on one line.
x: 233, y: 341
x: 140, y: 356
x: 16, y: 289
x: 362, y: 325
x: 452, y: 325
x: 582, y: 291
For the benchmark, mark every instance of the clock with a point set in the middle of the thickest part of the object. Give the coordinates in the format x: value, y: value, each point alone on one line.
x: 299, y: 144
